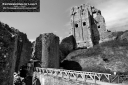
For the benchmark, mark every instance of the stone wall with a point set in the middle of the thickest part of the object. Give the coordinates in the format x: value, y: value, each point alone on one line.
x: 47, y: 50
x: 86, y: 29
x: 80, y: 22
x: 100, y: 21
x: 8, y: 48
x: 12, y: 50
x: 24, y: 50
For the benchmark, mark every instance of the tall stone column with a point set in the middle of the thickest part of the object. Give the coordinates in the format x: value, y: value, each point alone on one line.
x: 47, y: 50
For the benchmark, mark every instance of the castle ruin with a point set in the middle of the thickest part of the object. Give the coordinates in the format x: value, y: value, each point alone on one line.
x: 86, y: 29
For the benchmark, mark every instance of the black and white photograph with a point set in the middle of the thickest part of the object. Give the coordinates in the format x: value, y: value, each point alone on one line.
x: 63, y: 42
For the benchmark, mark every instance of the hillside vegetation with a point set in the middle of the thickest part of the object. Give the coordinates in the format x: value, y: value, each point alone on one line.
x: 109, y: 56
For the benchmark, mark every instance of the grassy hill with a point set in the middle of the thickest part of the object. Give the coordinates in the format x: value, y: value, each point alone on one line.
x: 108, y: 56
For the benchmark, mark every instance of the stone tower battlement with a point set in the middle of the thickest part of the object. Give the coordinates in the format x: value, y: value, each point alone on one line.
x: 86, y: 29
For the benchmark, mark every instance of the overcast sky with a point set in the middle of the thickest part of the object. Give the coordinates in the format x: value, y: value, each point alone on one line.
x: 54, y: 16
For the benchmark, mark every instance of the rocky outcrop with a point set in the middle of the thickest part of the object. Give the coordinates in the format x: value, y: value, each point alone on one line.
x: 110, y: 56
x: 67, y: 45
x: 11, y: 49
x: 47, y: 50
x: 38, y: 48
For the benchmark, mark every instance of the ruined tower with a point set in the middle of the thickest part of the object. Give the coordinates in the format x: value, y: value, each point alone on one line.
x: 100, y: 21
x: 47, y: 50
x: 84, y: 26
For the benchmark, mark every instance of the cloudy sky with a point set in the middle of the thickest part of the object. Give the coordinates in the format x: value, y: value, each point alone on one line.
x: 54, y: 16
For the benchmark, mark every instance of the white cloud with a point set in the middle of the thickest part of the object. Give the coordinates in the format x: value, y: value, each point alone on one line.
x: 115, y: 12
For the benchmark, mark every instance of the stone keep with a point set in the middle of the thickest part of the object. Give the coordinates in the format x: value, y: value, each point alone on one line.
x: 84, y: 26
x: 47, y: 50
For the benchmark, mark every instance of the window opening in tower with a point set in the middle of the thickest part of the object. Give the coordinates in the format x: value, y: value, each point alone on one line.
x: 99, y: 26
x: 84, y: 23
x: 76, y: 25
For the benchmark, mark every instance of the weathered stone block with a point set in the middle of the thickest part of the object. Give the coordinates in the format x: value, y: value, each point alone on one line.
x: 100, y: 21
x: 24, y: 50
x: 47, y: 50
x: 84, y: 27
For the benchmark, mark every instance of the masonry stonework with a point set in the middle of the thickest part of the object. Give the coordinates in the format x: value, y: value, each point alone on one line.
x: 47, y: 50
x: 85, y: 26
x: 14, y: 51
x: 100, y: 21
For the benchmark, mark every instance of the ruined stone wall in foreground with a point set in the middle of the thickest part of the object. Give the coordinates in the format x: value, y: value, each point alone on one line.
x: 14, y: 49
x: 47, y: 50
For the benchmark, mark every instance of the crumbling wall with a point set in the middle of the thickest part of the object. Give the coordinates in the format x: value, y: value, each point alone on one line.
x: 84, y: 28
x: 38, y: 48
x: 80, y: 26
x: 87, y: 29
x: 47, y: 50
x: 24, y: 50
x: 100, y: 21
x: 12, y: 52
x: 8, y: 48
